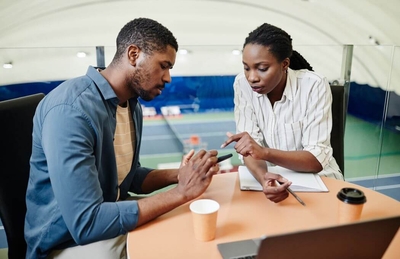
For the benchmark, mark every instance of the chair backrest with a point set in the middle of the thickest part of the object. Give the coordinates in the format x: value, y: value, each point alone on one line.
x: 338, y: 124
x: 15, y: 150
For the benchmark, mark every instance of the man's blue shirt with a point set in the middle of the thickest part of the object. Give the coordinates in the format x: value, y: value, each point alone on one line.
x: 73, y: 183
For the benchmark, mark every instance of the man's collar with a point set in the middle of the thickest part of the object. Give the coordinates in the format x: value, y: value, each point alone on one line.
x: 101, y: 83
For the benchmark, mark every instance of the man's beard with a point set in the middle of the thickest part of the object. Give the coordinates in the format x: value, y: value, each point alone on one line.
x: 136, y: 81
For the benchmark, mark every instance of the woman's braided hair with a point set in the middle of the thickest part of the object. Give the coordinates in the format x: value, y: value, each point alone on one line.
x: 279, y: 43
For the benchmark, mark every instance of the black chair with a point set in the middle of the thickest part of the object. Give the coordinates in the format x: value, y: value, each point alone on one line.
x: 15, y: 150
x: 338, y: 124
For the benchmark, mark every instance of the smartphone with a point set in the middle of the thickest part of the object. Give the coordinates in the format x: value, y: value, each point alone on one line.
x: 222, y: 158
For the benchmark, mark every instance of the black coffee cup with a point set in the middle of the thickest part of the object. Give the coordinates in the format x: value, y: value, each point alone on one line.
x: 351, y: 196
x: 351, y: 203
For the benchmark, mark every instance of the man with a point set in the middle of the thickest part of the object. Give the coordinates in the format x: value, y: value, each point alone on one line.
x: 85, y: 155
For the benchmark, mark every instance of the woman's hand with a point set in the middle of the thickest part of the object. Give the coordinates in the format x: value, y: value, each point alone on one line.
x: 275, y: 187
x: 246, y: 145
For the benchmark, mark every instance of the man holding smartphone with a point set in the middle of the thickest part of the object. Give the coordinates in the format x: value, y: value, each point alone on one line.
x: 85, y: 156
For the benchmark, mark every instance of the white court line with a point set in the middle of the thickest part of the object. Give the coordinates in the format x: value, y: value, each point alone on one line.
x: 1, y: 227
x: 386, y: 187
x: 362, y: 178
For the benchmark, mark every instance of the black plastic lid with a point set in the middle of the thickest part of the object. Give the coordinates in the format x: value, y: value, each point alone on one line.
x: 351, y: 196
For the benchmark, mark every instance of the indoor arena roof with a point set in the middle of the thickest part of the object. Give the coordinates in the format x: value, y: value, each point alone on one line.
x: 41, y: 38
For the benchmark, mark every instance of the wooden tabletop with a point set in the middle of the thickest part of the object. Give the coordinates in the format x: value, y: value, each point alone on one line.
x: 248, y: 214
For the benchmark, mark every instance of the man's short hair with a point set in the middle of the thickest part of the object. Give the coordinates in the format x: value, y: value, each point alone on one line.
x: 147, y: 34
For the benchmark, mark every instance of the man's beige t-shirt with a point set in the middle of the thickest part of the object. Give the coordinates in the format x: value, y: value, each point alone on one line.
x: 124, y: 142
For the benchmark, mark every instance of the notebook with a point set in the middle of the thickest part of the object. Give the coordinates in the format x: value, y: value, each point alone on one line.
x: 363, y: 239
x: 301, y: 182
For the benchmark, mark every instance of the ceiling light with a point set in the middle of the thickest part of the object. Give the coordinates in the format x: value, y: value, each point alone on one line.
x: 374, y: 41
x: 81, y: 54
x: 236, y: 52
x: 7, y: 65
x: 183, y: 51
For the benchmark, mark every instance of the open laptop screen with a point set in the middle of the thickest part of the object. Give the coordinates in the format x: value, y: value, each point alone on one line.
x: 362, y: 239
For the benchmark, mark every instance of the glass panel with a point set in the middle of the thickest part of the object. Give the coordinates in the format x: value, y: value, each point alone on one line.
x: 388, y: 168
x: 202, y: 90
x: 370, y: 72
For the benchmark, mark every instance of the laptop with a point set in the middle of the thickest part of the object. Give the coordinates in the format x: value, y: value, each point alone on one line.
x: 363, y: 239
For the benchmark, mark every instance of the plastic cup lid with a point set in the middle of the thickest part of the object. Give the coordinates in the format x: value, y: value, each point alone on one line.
x: 351, y: 196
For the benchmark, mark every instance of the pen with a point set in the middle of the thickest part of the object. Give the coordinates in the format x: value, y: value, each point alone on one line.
x: 294, y: 195
x: 222, y: 158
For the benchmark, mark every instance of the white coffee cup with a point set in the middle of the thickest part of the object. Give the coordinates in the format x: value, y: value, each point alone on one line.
x: 205, y: 212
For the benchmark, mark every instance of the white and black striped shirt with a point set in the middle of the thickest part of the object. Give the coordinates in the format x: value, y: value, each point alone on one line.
x: 301, y: 120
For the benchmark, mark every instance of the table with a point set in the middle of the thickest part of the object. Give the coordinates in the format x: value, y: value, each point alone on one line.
x: 247, y: 214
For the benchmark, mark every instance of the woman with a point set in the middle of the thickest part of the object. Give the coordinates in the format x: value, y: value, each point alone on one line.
x: 282, y: 110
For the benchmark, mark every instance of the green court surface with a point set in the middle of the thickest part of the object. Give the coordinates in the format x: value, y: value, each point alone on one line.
x: 368, y: 150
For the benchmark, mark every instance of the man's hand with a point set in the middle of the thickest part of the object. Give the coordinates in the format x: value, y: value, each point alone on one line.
x: 186, y: 158
x: 246, y: 145
x: 195, y: 174
x: 275, y: 187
